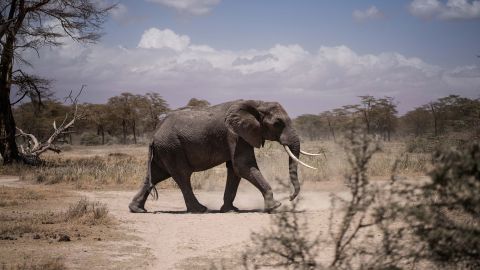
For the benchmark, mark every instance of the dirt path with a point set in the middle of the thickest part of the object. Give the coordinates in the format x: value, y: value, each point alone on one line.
x: 179, y: 240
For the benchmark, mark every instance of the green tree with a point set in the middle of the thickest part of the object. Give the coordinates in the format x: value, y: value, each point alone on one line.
x: 155, y: 106
x: 121, y: 110
x: 40, y: 122
x: 309, y: 126
x: 198, y: 103
x: 98, y: 115
x: 417, y: 121
x: 384, y: 113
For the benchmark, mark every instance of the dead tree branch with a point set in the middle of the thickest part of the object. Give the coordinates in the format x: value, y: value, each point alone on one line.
x: 32, y: 151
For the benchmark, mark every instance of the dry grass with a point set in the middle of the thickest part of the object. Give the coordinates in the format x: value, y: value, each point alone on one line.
x: 17, y: 221
x: 46, y: 264
x: 87, y: 169
x: 35, y: 217
x: 16, y: 196
x: 86, y: 212
x: 125, y: 166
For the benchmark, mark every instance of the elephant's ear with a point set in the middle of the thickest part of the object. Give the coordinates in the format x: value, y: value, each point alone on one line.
x: 243, y: 119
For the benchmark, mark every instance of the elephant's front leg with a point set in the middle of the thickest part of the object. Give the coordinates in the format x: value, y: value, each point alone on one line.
x: 246, y: 165
x: 233, y: 180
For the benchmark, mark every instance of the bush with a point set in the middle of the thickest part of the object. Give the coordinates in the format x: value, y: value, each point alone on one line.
x: 89, y: 138
x: 87, y: 212
x: 398, y: 225
x: 448, y: 219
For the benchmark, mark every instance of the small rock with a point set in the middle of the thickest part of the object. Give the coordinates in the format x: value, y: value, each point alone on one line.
x: 36, y: 236
x: 64, y: 238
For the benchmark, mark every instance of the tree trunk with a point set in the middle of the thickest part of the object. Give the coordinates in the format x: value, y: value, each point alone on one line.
x: 367, y: 121
x: 9, y: 149
x: 331, y: 129
x: 134, y: 132
x: 102, y: 132
x: 434, y: 114
x: 124, y: 130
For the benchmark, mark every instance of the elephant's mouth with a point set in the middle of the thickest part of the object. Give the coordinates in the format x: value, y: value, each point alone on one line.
x: 289, y: 152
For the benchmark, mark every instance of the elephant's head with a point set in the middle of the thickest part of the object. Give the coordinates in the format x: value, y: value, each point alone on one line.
x: 257, y: 121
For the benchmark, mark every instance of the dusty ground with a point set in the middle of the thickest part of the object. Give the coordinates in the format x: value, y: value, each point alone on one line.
x: 167, y: 237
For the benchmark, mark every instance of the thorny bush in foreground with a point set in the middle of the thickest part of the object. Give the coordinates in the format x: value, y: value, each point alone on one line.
x: 447, y: 221
x: 393, y: 225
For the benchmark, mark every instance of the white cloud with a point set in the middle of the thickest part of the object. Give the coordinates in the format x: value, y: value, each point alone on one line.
x: 154, y: 38
x: 303, y: 81
x: 194, y: 7
x: 371, y: 13
x: 451, y: 10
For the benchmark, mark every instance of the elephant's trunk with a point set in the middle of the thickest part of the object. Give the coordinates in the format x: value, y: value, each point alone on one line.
x: 292, y: 142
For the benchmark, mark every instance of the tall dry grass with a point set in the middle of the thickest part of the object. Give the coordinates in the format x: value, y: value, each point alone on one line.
x: 15, y: 223
x: 125, y: 166
x: 45, y: 264
x: 35, y: 217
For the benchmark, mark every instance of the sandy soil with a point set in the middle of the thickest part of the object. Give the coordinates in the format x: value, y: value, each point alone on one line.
x: 169, y: 238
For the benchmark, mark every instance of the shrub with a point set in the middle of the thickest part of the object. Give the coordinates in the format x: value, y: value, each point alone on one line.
x: 87, y: 212
x: 88, y: 138
x: 448, y: 218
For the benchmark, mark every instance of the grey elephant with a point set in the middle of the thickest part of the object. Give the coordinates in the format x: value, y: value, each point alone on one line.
x: 192, y: 140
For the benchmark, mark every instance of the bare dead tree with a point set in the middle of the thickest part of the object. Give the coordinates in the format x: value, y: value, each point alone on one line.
x: 33, y: 148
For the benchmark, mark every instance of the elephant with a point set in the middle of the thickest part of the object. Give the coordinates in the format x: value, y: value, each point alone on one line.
x: 191, y: 140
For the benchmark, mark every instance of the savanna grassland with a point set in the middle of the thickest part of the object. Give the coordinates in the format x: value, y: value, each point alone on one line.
x: 50, y: 203
x: 83, y: 192
x: 82, y: 195
x: 124, y: 167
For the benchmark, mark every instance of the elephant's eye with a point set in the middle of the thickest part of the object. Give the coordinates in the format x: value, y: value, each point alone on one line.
x: 278, y: 123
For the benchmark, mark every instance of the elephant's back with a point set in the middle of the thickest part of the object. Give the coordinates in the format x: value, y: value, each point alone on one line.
x: 200, y: 134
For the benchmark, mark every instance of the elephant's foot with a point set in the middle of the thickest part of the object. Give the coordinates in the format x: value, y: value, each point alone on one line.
x: 136, y: 208
x: 271, y: 205
x: 229, y: 208
x: 197, y: 209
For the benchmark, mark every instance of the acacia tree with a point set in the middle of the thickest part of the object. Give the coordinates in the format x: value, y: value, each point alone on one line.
x: 155, y: 106
x: 198, y: 103
x: 417, y: 121
x: 121, y: 110
x: 385, y: 110
x: 98, y: 115
x: 29, y: 25
x: 367, y: 103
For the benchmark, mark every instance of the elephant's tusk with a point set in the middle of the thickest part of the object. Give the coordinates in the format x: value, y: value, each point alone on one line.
x: 309, y: 154
x: 296, y: 159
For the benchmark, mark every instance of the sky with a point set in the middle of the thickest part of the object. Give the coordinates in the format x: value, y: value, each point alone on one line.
x: 309, y: 55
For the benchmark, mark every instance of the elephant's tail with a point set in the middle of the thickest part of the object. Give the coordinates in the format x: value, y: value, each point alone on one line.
x: 153, y: 189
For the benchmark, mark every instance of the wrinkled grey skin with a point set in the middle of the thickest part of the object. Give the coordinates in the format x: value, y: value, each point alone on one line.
x: 194, y: 140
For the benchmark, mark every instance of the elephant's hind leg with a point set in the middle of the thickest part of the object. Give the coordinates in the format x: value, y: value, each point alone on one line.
x: 231, y: 188
x: 157, y: 175
x: 193, y: 205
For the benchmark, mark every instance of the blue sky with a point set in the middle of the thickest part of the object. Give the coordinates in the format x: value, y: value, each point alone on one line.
x: 246, y: 24
x: 310, y: 55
